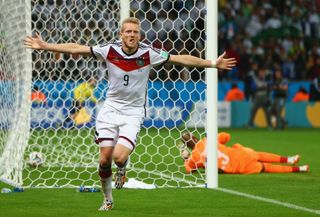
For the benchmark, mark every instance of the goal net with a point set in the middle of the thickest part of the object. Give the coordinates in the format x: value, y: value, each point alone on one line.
x: 15, y: 83
x: 176, y: 95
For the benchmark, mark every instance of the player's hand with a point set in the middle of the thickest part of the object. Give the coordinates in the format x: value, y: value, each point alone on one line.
x: 225, y: 63
x: 35, y: 42
x: 183, y: 150
x: 184, y: 154
x: 181, y: 146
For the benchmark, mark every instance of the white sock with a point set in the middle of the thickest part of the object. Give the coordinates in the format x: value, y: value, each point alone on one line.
x: 293, y: 159
x: 304, y: 168
x: 106, y: 186
x: 290, y: 160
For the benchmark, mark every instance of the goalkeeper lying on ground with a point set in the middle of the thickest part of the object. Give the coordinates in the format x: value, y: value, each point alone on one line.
x: 236, y: 159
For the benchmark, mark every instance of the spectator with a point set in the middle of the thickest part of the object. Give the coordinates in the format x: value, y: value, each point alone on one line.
x: 37, y: 96
x: 314, y: 71
x: 301, y: 96
x: 315, y: 90
x: 274, y: 21
x: 255, y: 25
x: 288, y: 67
x: 248, y: 92
x: 261, y: 97
x: 280, y: 89
x: 234, y: 94
x: 78, y: 115
x: 82, y: 93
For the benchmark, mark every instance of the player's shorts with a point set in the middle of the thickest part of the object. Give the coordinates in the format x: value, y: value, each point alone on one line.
x: 116, y: 128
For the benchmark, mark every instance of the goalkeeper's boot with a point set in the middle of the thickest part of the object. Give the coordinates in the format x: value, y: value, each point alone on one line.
x: 293, y: 159
x: 304, y: 168
x: 106, y: 205
x: 120, y: 178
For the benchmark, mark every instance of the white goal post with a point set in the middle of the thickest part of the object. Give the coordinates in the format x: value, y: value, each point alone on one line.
x: 176, y: 95
x: 212, y: 95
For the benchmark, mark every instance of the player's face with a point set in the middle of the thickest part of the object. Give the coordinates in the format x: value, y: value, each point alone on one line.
x: 130, y: 36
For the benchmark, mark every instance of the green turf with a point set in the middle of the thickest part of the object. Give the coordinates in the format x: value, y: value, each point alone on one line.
x: 297, y: 189
x: 156, y: 154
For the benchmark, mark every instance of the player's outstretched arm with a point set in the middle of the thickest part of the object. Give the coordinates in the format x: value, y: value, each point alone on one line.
x: 37, y: 43
x: 192, y: 61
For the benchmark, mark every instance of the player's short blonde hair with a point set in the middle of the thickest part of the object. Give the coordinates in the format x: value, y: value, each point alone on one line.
x: 129, y: 20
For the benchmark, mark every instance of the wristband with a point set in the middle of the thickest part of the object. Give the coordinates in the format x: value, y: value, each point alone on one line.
x: 213, y: 64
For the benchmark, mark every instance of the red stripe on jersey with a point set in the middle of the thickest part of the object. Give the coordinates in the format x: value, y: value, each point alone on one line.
x: 127, y: 64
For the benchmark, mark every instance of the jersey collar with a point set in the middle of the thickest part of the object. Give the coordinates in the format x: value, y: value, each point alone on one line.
x: 132, y: 53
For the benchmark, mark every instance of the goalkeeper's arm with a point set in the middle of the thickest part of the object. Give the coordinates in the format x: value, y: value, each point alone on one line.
x: 184, y: 152
x: 37, y: 43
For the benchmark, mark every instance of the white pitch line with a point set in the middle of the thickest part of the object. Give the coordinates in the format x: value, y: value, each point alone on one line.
x: 288, y: 205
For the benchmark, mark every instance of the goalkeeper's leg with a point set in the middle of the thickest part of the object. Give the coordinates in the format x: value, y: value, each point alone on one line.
x: 274, y: 158
x: 105, y: 174
x: 271, y: 168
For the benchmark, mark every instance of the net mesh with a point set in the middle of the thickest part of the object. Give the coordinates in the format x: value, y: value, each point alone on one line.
x: 176, y: 94
x: 15, y: 83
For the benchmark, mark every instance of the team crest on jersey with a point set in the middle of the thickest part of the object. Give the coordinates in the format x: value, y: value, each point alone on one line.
x: 140, y: 61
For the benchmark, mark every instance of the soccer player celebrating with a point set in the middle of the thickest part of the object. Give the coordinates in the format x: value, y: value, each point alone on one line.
x: 118, y: 122
x: 236, y: 159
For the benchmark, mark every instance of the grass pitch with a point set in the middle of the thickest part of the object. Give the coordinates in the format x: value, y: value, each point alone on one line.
x: 263, y: 195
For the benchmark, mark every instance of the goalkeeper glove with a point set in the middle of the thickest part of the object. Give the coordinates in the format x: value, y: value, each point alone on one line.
x: 184, y: 152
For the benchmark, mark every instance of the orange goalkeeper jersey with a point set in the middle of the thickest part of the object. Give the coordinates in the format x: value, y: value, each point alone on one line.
x: 236, y: 159
x: 197, y: 158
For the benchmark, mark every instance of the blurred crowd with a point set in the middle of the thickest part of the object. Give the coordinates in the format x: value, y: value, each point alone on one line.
x: 177, y: 26
x: 273, y: 34
x: 79, y: 21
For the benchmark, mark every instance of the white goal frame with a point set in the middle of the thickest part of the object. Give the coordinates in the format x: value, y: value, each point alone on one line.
x: 212, y: 95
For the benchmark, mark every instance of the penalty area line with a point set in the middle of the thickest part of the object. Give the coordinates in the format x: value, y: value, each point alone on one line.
x: 288, y: 205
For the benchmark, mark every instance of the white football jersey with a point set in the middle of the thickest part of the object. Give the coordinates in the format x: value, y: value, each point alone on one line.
x: 128, y: 76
